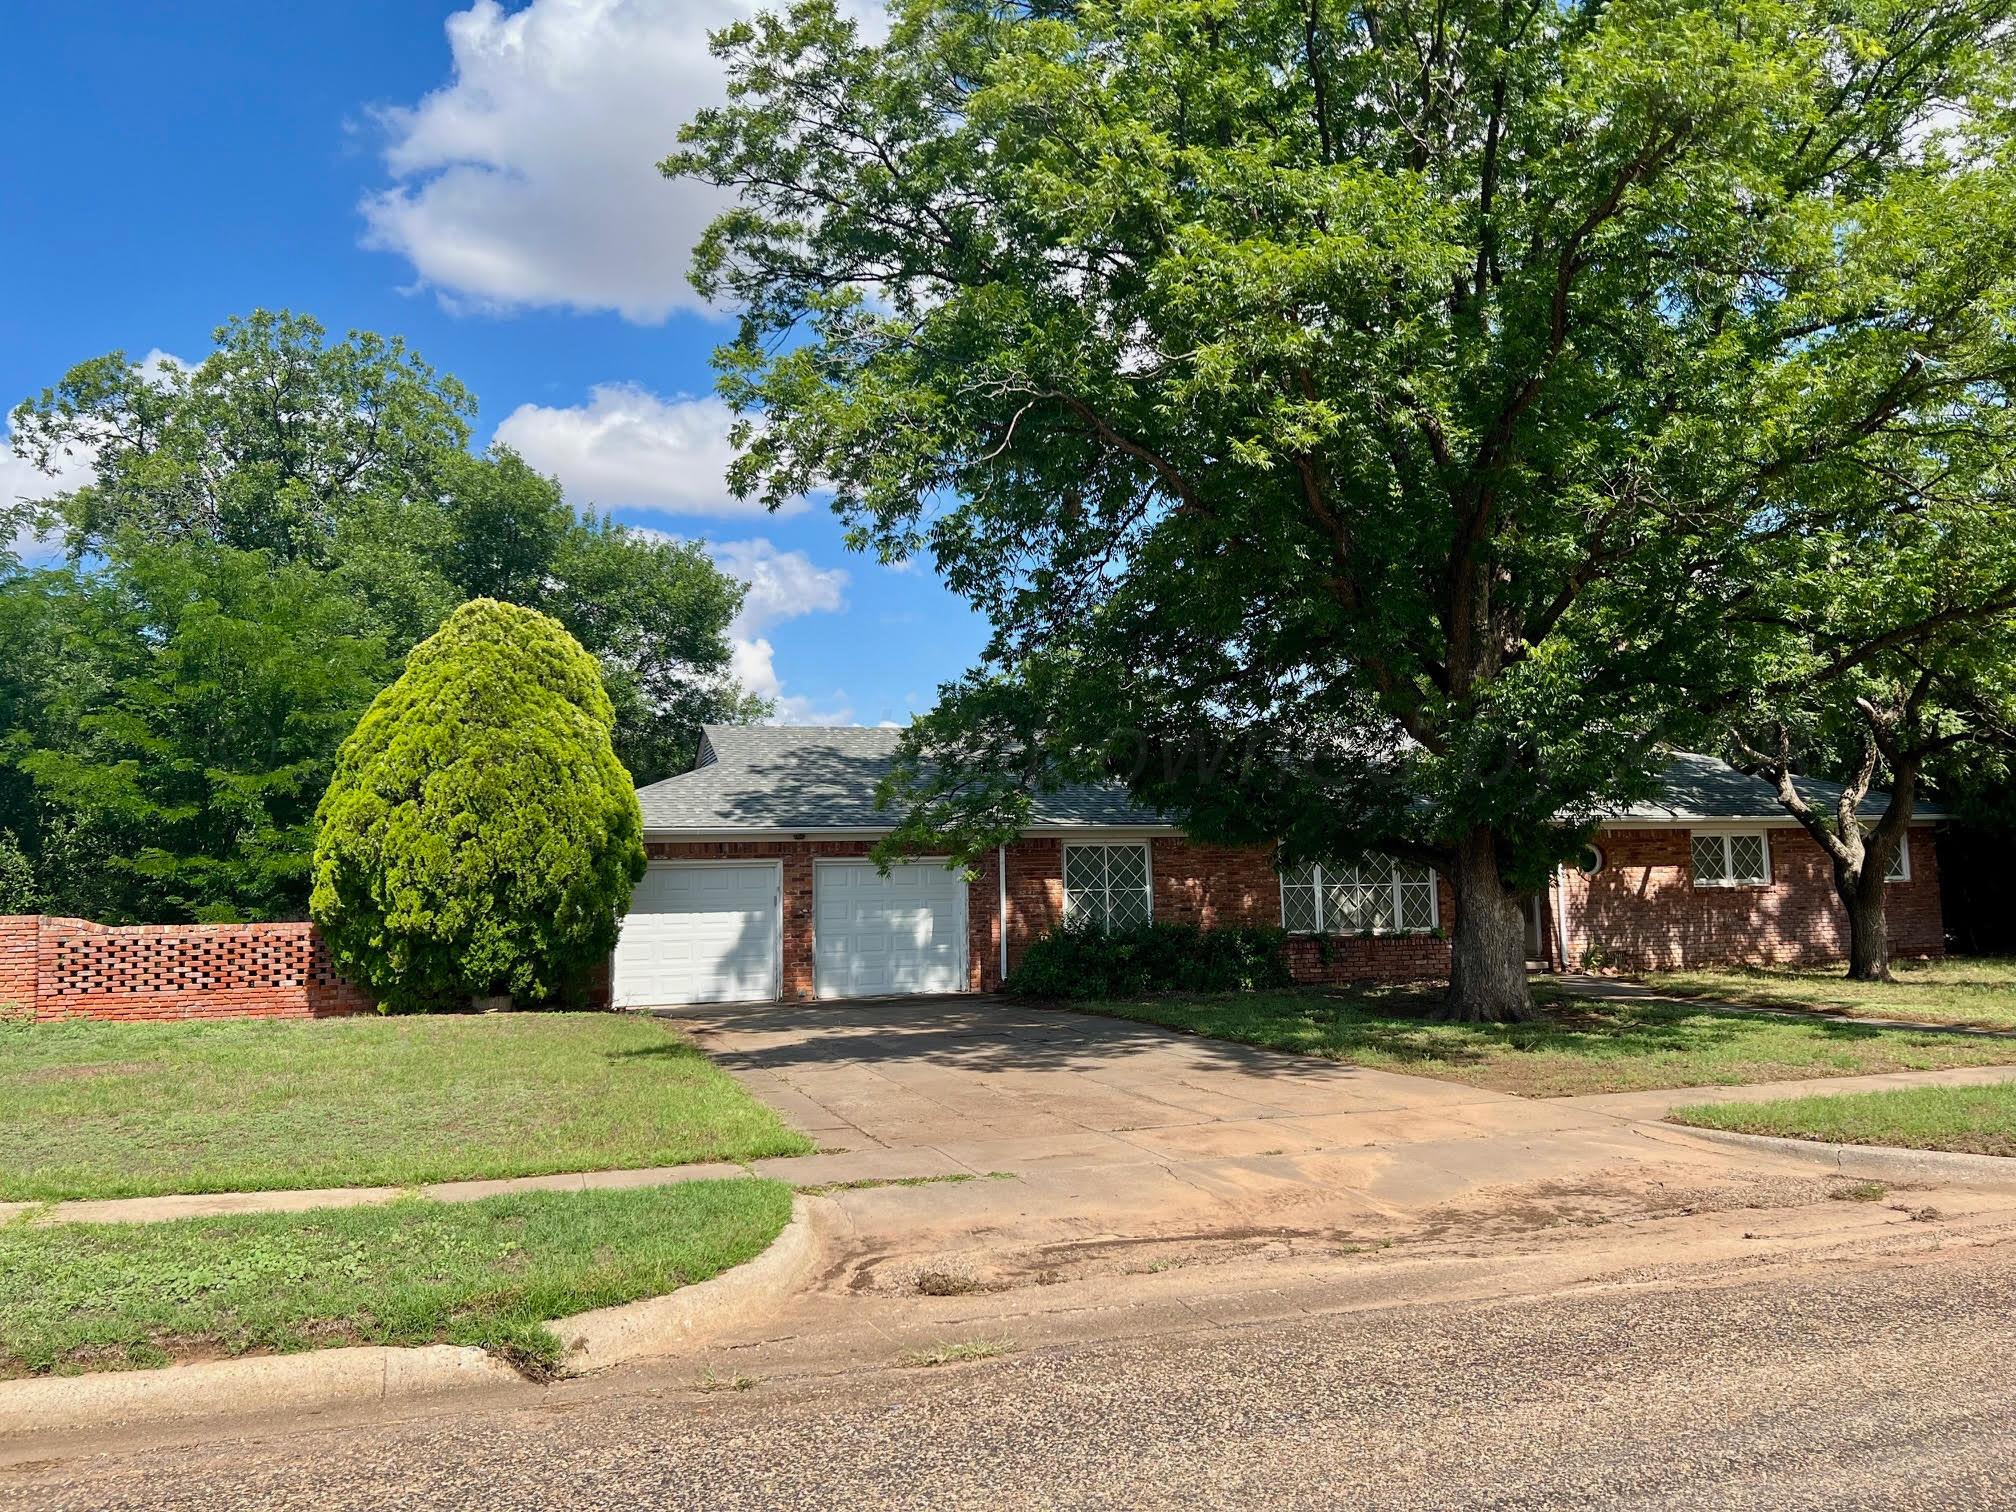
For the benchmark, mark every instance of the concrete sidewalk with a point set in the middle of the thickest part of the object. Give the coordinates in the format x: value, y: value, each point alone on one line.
x: 224, y: 1204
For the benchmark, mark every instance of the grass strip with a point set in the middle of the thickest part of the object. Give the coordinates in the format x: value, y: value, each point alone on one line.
x: 1969, y: 1120
x: 121, y: 1296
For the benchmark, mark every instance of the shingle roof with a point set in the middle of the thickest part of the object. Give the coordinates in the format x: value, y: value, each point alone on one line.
x: 797, y: 778
x: 1695, y: 786
x: 812, y: 777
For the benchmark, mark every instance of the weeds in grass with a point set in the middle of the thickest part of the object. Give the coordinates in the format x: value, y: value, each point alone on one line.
x: 1861, y: 1191
x: 709, y: 1380
x: 870, y: 1183
x: 957, y: 1353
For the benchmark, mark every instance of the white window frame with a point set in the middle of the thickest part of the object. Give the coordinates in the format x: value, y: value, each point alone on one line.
x: 1728, y: 877
x: 1147, y: 874
x: 1393, y: 882
x: 1901, y: 861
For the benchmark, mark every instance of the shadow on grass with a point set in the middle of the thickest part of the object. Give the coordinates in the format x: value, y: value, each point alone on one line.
x: 1401, y: 1027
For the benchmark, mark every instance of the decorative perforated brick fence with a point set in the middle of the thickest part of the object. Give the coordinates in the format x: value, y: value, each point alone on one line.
x: 72, y: 968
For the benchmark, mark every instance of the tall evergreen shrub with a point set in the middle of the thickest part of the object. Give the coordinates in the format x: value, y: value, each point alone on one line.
x: 479, y: 836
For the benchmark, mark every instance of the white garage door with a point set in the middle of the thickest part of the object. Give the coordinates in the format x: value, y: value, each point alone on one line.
x: 699, y: 933
x: 905, y: 932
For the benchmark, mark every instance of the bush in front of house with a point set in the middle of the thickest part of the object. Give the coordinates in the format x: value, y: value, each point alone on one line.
x: 479, y: 838
x: 1143, y: 958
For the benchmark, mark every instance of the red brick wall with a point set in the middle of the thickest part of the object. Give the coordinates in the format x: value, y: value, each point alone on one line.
x: 1644, y: 906
x: 72, y: 968
x: 1217, y: 887
x: 19, y: 972
x: 1643, y: 911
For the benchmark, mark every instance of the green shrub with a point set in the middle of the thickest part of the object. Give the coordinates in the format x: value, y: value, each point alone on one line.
x: 18, y: 892
x: 1092, y: 963
x: 479, y: 836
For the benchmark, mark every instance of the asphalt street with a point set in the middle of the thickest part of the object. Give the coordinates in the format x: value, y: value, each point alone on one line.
x: 1883, y: 1380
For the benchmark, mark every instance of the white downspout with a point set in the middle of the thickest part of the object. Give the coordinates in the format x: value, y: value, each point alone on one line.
x: 1561, y: 915
x: 1001, y: 903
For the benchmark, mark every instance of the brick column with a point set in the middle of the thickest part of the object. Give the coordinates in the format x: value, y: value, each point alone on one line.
x: 19, y: 970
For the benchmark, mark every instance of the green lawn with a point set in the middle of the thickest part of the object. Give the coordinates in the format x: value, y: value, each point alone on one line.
x: 1977, y: 990
x: 1977, y: 1120
x: 118, y: 1296
x: 1577, y: 1047
x: 123, y: 1110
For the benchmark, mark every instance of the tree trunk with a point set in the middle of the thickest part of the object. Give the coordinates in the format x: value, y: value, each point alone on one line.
x: 1487, y: 955
x: 1868, y: 933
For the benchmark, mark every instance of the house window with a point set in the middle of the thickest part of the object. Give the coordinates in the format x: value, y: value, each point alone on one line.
x: 1900, y: 862
x: 1106, y: 886
x: 1376, y: 894
x: 1731, y: 858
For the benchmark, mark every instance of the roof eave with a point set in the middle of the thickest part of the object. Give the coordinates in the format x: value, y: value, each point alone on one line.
x: 856, y: 832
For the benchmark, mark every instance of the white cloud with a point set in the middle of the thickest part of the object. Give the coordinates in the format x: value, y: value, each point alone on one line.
x: 627, y: 446
x: 21, y: 480
x: 530, y: 178
x: 782, y: 584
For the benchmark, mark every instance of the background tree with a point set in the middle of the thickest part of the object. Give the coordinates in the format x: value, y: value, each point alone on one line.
x: 1363, y: 424
x: 1899, y: 650
x: 480, y: 836
x: 265, y: 536
x: 18, y: 891
x: 191, y: 701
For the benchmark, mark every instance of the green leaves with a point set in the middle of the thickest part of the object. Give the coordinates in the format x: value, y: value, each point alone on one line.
x: 265, y: 537
x: 480, y: 835
x: 1419, y: 405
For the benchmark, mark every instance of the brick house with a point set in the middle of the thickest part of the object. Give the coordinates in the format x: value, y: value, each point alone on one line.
x: 759, y: 885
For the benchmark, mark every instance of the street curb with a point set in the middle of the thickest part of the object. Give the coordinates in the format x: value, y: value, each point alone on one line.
x: 368, y: 1374
x: 1873, y: 1162
x: 612, y: 1336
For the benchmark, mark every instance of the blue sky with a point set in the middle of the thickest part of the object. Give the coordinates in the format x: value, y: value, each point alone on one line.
x: 478, y: 178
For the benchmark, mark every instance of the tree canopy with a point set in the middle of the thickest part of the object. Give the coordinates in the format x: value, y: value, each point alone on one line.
x: 479, y: 836
x: 1367, y: 426
x: 264, y: 537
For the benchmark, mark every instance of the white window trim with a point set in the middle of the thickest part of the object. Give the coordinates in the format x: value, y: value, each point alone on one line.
x: 1902, y: 861
x: 1147, y: 868
x: 1728, y: 861
x: 1322, y: 895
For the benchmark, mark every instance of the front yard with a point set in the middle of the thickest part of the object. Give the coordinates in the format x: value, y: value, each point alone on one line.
x: 127, y: 1110
x: 1578, y: 1046
x: 1977, y: 990
x: 103, y: 1296
x: 1972, y: 1120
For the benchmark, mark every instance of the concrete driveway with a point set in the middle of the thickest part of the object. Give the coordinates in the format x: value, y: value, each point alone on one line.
x: 1123, y: 1135
x: 989, y: 1084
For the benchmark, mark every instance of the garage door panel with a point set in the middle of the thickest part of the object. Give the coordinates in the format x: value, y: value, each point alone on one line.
x: 699, y: 934
x: 900, y: 933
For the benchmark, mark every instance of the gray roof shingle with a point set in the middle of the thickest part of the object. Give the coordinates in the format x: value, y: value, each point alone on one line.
x: 800, y: 778
x: 1695, y: 786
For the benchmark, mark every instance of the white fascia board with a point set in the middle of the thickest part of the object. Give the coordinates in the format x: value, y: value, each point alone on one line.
x: 1705, y: 821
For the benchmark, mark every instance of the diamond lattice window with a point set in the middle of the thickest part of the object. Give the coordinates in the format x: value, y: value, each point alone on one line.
x: 1106, y: 886
x: 1374, y: 895
x: 1731, y: 859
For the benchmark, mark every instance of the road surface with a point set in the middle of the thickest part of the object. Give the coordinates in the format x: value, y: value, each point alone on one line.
x: 1873, y: 1376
